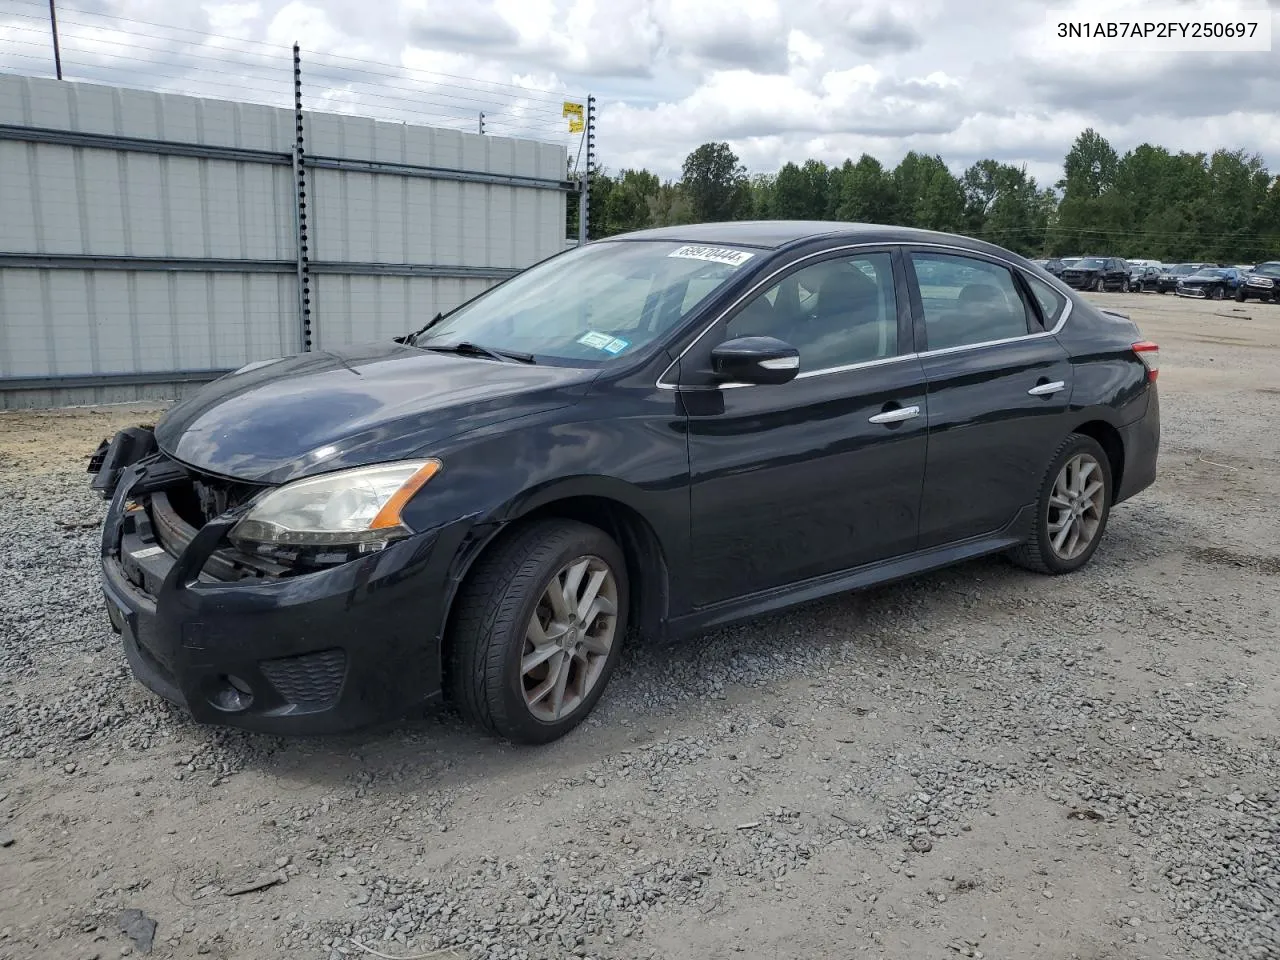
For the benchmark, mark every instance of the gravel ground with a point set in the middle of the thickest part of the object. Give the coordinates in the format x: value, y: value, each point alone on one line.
x: 978, y: 763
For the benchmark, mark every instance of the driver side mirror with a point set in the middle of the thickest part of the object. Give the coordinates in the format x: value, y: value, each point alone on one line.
x: 755, y: 360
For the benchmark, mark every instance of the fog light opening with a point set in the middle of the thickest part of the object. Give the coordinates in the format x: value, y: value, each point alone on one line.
x: 231, y: 694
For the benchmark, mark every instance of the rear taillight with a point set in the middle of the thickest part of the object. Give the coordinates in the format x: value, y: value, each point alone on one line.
x: 1149, y: 354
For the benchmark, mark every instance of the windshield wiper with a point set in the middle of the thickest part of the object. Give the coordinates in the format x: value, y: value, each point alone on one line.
x: 475, y: 350
x: 410, y: 337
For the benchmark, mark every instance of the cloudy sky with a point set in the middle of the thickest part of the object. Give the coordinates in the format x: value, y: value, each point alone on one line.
x: 779, y: 79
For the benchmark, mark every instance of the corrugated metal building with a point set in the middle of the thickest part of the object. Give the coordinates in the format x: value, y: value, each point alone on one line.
x: 149, y: 241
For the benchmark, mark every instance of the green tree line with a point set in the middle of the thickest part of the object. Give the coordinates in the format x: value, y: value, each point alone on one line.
x: 1149, y: 202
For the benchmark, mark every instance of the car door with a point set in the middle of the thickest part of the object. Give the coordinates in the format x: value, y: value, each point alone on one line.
x: 998, y: 389
x: 795, y: 480
x: 1117, y: 272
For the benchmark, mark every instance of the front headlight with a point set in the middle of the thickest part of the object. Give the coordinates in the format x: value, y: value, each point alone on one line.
x: 359, y: 507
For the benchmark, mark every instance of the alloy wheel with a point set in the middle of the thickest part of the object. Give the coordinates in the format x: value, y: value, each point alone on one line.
x: 1076, y: 506
x: 569, y: 638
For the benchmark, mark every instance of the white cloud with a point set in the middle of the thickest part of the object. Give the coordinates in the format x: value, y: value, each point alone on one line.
x: 779, y: 79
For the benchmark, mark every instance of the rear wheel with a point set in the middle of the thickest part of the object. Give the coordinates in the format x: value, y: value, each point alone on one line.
x: 538, y: 630
x: 1141, y: 288
x: 1072, y: 511
x: 1124, y: 286
x: 1099, y: 286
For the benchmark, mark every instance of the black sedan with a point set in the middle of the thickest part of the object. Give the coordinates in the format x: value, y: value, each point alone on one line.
x: 1208, y: 283
x: 1167, y: 281
x: 1142, y: 279
x: 1097, y: 273
x: 651, y: 435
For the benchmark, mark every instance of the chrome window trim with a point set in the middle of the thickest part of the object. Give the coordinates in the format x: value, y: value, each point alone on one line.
x: 906, y: 246
x: 857, y: 366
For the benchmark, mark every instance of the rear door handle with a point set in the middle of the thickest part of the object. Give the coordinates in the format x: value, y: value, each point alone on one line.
x: 1044, y: 389
x: 896, y: 416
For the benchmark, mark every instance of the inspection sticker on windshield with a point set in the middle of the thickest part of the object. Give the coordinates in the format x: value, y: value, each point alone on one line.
x: 603, y: 341
x: 694, y: 251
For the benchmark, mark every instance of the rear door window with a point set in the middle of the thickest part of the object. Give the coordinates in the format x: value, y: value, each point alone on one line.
x: 967, y: 301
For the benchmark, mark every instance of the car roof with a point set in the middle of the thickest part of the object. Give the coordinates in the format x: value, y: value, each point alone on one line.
x: 775, y: 234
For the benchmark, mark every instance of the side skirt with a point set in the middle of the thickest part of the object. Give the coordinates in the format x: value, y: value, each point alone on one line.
x: 869, y: 575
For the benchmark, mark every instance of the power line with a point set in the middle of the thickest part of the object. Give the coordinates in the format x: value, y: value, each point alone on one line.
x: 246, y: 74
x: 529, y: 93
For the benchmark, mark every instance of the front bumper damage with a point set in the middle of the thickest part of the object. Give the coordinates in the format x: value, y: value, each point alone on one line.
x: 243, y: 642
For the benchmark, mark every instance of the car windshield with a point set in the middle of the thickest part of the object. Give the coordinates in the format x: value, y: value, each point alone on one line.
x: 1183, y: 268
x: 592, y: 304
x: 1268, y: 270
x: 1088, y: 263
x: 1208, y: 273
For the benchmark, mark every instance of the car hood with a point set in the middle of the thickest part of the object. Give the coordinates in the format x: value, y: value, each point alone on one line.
x: 322, y: 411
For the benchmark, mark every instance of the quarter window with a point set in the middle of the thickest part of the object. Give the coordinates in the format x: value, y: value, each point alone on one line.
x: 1052, y: 303
x: 835, y: 313
x: 968, y: 301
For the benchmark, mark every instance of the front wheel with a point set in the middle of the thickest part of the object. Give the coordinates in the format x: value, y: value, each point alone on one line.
x: 538, y: 630
x: 1141, y: 288
x: 1072, y: 510
x: 1218, y: 293
x: 1124, y: 286
x: 1099, y: 286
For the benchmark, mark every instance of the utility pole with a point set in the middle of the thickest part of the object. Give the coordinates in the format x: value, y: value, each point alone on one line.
x: 482, y: 123
x: 300, y: 205
x: 57, y: 53
x: 584, y: 198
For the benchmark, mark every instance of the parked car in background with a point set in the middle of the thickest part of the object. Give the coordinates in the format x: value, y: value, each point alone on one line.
x: 1207, y: 283
x: 1054, y: 266
x: 1146, y: 278
x: 1167, y: 281
x: 490, y: 507
x: 1263, y: 283
x: 1097, y: 273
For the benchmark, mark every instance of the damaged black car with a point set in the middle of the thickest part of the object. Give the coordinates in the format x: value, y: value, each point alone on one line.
x: 647, y: 436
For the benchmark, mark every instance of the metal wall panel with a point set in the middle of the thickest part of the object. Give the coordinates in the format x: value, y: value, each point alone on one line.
x: 355, y: 309
x: 122, y: 200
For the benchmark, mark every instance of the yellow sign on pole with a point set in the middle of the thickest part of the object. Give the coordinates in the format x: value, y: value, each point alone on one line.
x: 574, y: 112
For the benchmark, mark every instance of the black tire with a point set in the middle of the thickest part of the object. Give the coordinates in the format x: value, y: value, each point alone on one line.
x: 1240, y: 297
x: 1124, y: 286
x: 1099, y: 286
x: 1038, y: 553
x: 1219, y: 293
x: 487, y: 631
x: 1141, y: 287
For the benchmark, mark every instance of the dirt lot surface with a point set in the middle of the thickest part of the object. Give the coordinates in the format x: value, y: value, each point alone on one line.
x: 982, y: 762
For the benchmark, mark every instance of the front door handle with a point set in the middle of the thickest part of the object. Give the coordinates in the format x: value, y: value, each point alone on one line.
x: 1045, y: 389
x: 896, y: 416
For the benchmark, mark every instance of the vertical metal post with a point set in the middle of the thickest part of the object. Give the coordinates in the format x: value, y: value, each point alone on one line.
x: 584, y: 196
x: 57, y: 51
x: 482, y: 123
x: 300, y: 199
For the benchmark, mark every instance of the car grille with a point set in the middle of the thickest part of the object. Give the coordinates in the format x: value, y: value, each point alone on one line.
x: 310, y: 679
x: 1261, y: 282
